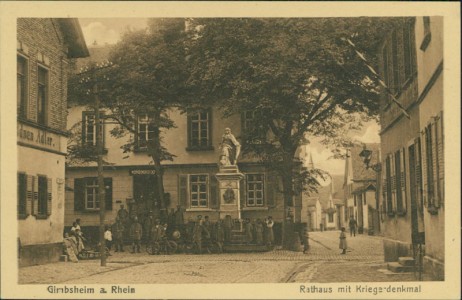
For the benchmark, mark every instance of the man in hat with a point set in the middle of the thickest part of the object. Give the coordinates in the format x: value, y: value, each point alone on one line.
x: 118, y: 236
x: 148, y: 223
x: 136, y: 232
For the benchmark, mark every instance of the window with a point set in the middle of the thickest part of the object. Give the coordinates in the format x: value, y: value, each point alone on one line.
x: 255, y: 189
x: 42, y: 195
x: 89, y: 128
x: 433, y: 163
x: 198, y: 190
x: 145, y: 132
x: 91, y: 194
x: 254, y: 133
x: 395, y: 67
x: 22, y: 92
x: 331, y: 217
x: 86, y: 194
x: 22, y: 194
x: 399, y: 58
x: 408, y: 50
x: 386, y: 69
x: 427, y: 34
x: 199, y: 127
x: 42, y: 95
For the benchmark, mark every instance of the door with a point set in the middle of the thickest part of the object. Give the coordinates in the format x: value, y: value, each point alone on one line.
x: 145, y: 195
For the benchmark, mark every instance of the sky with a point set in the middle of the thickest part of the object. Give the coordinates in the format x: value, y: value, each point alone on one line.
x: 109, y: 31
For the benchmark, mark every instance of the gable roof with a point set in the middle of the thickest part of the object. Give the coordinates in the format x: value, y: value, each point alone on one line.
x: 73, y: 37
x: 97, y: 54
x: 360, y: 173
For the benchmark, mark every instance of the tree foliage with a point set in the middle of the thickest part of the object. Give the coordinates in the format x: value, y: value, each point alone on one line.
x: 147, y: 78
x: 298, y: 76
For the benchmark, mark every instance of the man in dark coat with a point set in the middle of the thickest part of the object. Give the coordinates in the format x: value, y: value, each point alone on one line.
x: 352, y: 224
x: 148, y: 223
x: 219, y: 234
x: 118, y: 235
x: 136, y: 232
x: 248, y: 231
x: 227, y: 226
x: 199, y: 233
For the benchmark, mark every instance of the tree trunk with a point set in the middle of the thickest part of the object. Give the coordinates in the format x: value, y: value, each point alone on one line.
x: 287, y: 190
x: 156, y: 158
x: 101, y: 188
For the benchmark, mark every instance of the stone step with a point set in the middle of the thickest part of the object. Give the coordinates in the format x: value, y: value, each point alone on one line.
x: 406, y: 261
x: 399, y: 268
x: 245, y: 248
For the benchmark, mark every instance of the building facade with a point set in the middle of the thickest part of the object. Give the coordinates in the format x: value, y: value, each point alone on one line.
x: 360, y: 189
x: 412, y: 193
x: 189, y: 181
x: 44, y: 47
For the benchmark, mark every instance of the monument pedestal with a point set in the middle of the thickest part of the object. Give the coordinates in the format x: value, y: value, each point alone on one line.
x: 229, y: 179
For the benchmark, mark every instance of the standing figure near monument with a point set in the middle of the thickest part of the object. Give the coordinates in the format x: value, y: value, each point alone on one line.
x: 136, y: 232
x: 259, y: 232
x: 248, y: 231
x: 122, y: 214
x: 230, y: 149
x: 227, y: 226
x: 119, y: 230
x: 269, y: 231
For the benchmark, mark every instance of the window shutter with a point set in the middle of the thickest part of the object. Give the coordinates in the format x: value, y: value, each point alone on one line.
x: 209, y: 127
x: 108, y: 193
x: 35, y: 196
x: 30, y: 195
x: 79, y: 194
x: 440, y: 149
x: 84, y: 128
x: 214, y: 201
x: 435, y: 163
x: 183, y: 190
x: 384, y: 187
x: 103, y: 134
x: 49, y: 196
x: 423, y: 147
x: 271, y: 194
x: 188, y: 133
x: 243, y: 193
x: 393, y: 182
x: 403, y: 180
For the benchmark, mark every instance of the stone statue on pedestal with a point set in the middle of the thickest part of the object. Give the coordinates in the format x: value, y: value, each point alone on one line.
x: 230, y: 149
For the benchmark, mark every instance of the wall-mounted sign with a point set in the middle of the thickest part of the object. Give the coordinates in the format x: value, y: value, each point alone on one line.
x: 38, y: 137
x: 142, y: 172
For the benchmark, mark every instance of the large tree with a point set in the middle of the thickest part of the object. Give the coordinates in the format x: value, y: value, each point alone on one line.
x: 146, y: 79
x: 298, y: 77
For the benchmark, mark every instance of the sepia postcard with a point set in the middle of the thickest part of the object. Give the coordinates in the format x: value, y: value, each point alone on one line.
x: 230, y: 150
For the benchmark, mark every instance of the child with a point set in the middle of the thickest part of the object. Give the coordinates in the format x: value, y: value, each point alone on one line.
x: 343, y: 243
x: 305, y: 241
x: 108, y: 238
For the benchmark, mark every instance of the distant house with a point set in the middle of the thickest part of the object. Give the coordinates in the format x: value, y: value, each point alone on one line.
x: 360, y: 189
x: 44, y: 47
x: 323, y: 210
x: 311, y: 213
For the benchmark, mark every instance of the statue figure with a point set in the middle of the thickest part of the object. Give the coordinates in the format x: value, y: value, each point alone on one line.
x: 230, y: 149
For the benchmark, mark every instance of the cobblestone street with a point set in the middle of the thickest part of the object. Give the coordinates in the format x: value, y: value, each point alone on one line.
x: 324, y: 263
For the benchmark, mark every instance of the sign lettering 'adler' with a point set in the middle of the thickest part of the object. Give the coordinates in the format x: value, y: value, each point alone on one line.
x: 38, y: 137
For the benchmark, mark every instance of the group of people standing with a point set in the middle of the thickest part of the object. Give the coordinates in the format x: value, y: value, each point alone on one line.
x: 152, y: 229
x: 259, y: 232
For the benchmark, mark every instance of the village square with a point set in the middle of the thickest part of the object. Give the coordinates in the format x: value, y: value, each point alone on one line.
x: 231, y: 150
